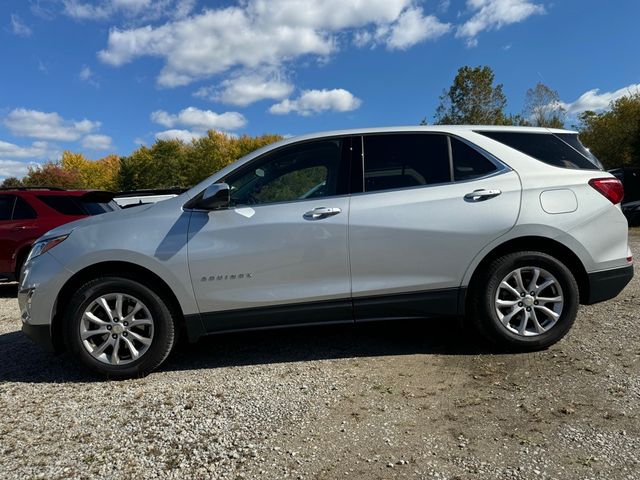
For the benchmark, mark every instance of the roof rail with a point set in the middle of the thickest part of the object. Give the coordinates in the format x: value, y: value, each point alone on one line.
x: 56, y: 189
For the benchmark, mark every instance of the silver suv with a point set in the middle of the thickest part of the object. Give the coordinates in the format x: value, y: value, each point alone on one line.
x: 511, y: 227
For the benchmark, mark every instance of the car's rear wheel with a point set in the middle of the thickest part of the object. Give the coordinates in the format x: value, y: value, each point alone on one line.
x: 525, y: 301
x: 119, y: 327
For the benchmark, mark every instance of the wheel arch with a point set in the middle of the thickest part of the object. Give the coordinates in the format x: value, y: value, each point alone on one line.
x: 539, y: 244
x: 115, y: 268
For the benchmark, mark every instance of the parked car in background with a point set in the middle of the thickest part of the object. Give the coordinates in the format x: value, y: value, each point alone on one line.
x: 513, y: 227
x: 27, y: 213
x: 630, y: 178
x: 135, y: 198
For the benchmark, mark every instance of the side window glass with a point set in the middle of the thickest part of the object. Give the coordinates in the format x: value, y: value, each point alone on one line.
x: 23, y: 211
x: 405, y: 160
x: 307, y: 170
x: 6, y: 206
x: 468, y: 162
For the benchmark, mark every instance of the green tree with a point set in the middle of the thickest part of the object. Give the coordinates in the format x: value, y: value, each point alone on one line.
x: 542, y: 106
x: 614, y: 136
x: 11, y: 182
x: 472, y: 99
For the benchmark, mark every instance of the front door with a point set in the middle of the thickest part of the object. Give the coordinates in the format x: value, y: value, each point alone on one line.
x: 283, y: 243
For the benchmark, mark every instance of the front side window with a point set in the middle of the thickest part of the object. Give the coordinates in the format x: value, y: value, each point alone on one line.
x: 405, y: 160
x: 469, y: 163
x: 6, y: 206
x: 298, y: 172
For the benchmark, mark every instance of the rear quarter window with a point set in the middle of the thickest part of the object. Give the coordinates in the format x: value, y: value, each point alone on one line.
x: 545, y: 147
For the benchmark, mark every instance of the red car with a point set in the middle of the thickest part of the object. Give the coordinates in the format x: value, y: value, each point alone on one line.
x: 26, y: 213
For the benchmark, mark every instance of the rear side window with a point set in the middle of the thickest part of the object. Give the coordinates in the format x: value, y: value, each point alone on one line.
x: 23, y: 211
x: 545, y: 147
x: 68, y: 205
x: 469, y: 163
x: 6, y: 206
x: 405, y: 160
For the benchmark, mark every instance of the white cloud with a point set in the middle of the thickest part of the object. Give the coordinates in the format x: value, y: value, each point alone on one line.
x: 176, y: 134
x: 596, y: 101
x: 18, y: 27
x: 86, y: 11
x: 47, y: 125
x: 199, y: 121
x: 13, y: 168
x: 245, y: 88
x: 316, y: 101
x: 36, y: 150
x: 140, y: 10
x: 413, y: 27
x: 86, y: 75
x: 262, y: 34
x: 97, y: 141
x: 495, y: 14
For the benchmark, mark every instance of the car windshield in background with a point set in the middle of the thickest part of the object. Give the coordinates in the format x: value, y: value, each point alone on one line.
x: 559, y: 150
x: 71, y: 205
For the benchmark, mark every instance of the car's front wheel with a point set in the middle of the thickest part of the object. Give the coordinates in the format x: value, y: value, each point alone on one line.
x: 525, y: 300
x: 119, y: 327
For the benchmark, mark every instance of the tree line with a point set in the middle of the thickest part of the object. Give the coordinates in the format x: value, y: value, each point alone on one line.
x: 474, y: 98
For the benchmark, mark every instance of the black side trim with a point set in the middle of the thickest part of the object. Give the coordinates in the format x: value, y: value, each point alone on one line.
x: 40, y: 334
x: 434, y: 303
x: 608, y: 284
x: 278, y: 316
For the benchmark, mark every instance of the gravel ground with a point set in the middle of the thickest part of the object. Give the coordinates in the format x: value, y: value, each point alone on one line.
x: 404, y: 400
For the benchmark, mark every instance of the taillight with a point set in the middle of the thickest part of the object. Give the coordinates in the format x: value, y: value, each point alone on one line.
x: 609, y: 187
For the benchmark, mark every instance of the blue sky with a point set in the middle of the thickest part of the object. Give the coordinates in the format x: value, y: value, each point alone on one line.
x: 106, y: 76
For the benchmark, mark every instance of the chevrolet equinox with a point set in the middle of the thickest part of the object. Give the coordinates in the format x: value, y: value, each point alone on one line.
x: 511, y: 227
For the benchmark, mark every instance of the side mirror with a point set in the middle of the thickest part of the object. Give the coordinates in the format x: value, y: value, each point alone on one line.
x: 215, y: 197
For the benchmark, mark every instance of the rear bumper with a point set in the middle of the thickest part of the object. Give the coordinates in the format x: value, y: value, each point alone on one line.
x: 608, y: 283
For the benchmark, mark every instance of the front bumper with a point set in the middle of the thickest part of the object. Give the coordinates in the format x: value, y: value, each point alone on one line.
x: 608, y: 283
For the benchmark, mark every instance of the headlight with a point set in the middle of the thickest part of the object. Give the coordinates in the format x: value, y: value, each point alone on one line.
x: 44, y: 246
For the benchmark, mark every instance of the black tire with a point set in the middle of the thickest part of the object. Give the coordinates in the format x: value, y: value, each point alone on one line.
x: 164, y: 329
x: 482, y: 310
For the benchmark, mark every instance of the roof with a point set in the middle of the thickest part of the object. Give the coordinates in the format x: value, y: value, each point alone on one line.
x: 44, y: 191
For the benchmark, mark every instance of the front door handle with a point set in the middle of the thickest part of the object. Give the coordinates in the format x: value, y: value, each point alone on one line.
x: 481, y: 195
x: 19, y: 228
x: 322, y: 212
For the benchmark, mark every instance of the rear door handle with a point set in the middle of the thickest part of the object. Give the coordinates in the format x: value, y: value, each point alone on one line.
x: 481, y: 195
x: 21, y: 227
x: 322, y: 212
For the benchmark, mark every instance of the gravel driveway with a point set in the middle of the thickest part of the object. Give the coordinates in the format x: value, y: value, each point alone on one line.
x: 403, y: 400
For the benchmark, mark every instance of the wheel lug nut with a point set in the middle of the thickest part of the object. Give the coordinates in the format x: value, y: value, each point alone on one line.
x: 126, y: 324
x: 115, y: 320
x: 124, y: 334
x: 528, y: 309
x: 522, y: 294
x: 519, y: 304
x: 533, y: 294
x: 108, y: 327
x: 536, y: 302
x: 114, y: 336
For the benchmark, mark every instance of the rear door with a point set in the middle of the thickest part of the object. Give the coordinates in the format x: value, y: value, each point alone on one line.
x: 430, y: 204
